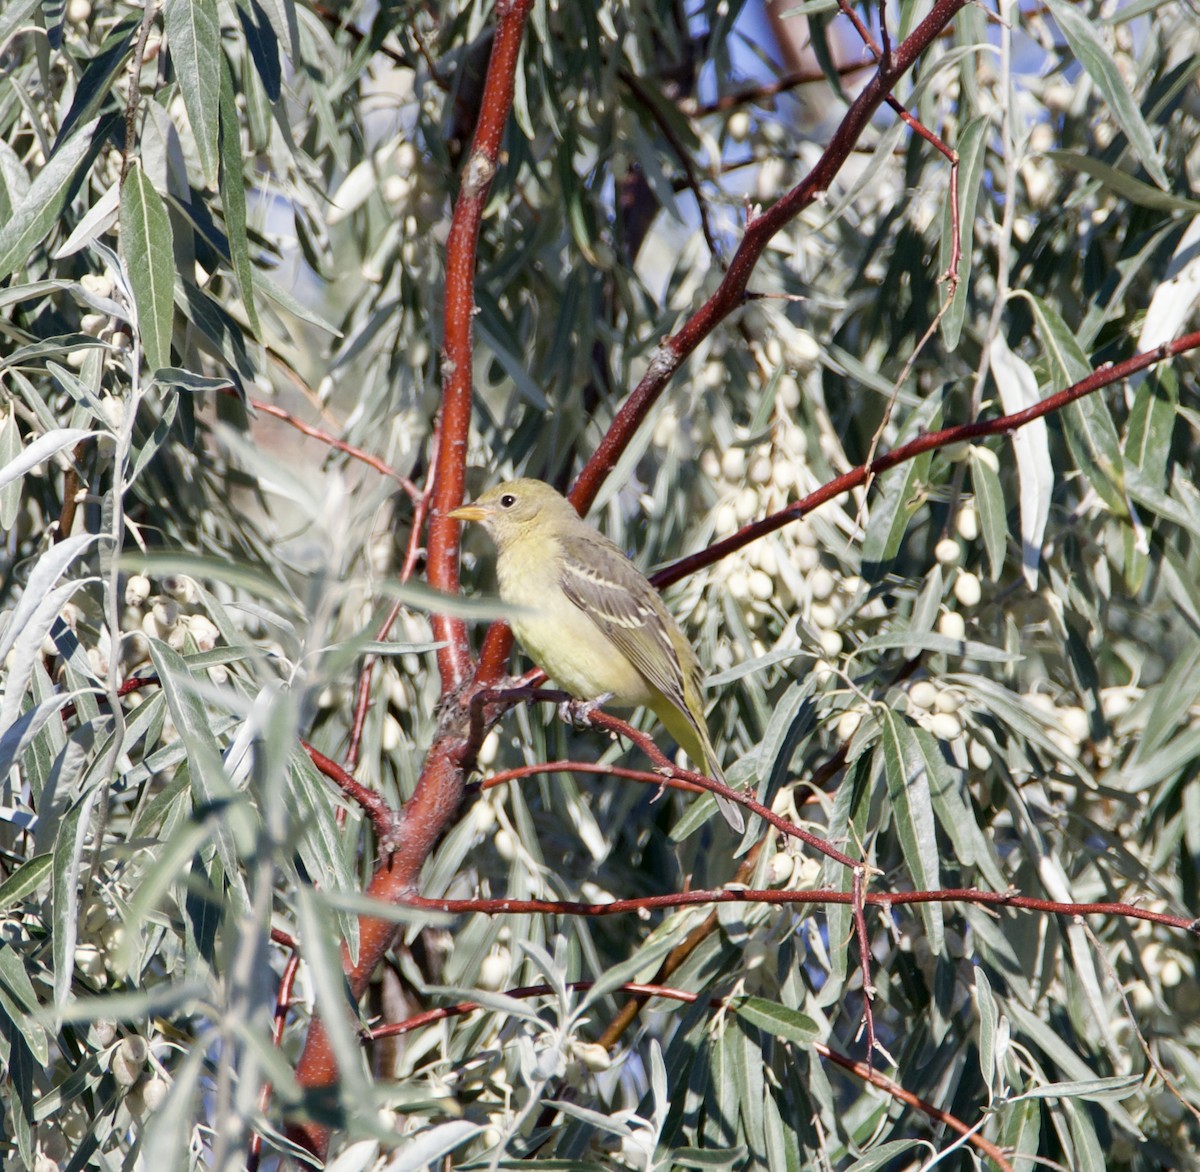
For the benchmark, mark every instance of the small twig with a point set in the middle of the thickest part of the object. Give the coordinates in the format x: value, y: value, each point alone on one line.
x: 134, y: 98
x: 340, y: 445
x: 382, y: 816
x: 926, y: 442
x: 864, y: 960
x: 283, y: 1001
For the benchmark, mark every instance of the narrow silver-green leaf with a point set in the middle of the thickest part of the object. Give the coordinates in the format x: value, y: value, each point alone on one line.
x: 1091, y: 52
x: 1124, y: 185
x: 1018, y: 389
x: 907, y: 777
x: 1091, y: 433
x: 36, y: 216
x: 233, y: 197
x: 146, y: 241
x: 194, y: 38
x: 778, y: 1020
x: 993, y: 514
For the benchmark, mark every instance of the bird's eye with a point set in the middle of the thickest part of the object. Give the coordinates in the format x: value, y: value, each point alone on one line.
x: 507, y: 500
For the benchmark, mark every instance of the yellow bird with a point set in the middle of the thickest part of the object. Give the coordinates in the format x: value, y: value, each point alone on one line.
x: 589, y: 618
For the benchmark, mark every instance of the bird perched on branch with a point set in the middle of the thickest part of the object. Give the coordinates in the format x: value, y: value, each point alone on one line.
x: 589, y: 618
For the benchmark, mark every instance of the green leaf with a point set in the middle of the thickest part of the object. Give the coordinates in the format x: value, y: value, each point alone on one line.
x: 194, y: 38
x: 1091, y: 52
x: 993, y: 515
x: 148, y: 247
x: 907, y: 776
x: 898, y: 499
x: 1018, y: 390
x: 778, y: 1020
x: 27, y: 878
x: 1123, y: 184
x: 1151, y: 425
x: 96, y: 83
x: 233, y: 198
x: 1091, y: 433
x: 38, y: 213
x: 989, y: 1020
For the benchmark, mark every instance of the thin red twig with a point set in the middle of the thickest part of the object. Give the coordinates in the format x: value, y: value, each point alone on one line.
x: 888, y: 899
x: 332, y: 441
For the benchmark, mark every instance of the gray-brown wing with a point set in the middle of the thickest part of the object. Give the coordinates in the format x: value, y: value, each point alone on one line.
x: 599, y: 579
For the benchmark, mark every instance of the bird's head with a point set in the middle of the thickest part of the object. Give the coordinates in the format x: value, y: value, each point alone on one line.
x: 519, y: 507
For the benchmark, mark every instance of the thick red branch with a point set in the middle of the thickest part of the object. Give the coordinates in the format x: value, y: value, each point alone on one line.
x: 462, y: 245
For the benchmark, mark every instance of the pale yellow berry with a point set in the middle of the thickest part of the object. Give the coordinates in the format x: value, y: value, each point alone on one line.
x: 945, y: 726
x: 761, y: 470
x: 506, y: 847
x: 1076, y: 722
x: 746, y: 505
x: 495, y: 969
x: 725, y: 520
x: 179, y: 587
x: 979, y: 755
x: 831, y: 644
x: 986, y: 456
x: 128, y: 1060
x: 154, y: 1092
x: 946, y: 701
x: 952, y: 625
x: 592, y: 1056
x: 203, y: 631
x: 922, y: 695
x: 824, y: 615
x: 967, y: 589
x: 760, y: 585
x: 98, y: 284
x: 738, y: 125
x: 821, y: 584
x: 806, y: 559
x: 166, y: 614
x: 947, y: 552
x: 848, y: 724
x: 733, y: 464
x: 787, y: 394
x: 966, y: 524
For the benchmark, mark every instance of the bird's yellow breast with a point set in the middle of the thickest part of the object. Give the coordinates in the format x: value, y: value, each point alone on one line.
x: 559, y: 637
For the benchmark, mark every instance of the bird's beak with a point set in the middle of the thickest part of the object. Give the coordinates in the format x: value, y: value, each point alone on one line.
x: 468, y: 513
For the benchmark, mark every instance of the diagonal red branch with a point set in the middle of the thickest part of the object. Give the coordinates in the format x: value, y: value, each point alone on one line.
x: 926, y: 442
x: 759, y: 230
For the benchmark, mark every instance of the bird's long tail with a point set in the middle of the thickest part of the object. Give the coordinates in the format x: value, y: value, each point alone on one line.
x: 693, y: 740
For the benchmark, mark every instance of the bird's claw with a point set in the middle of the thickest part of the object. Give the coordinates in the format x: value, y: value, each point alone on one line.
x: 579, y: 712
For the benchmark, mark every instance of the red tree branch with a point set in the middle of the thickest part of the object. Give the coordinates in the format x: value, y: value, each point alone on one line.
x: 462, y: 245
x: 926, y: 442
x: 888, y: 899
x: 759, y: 231
x: 439, y: 788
